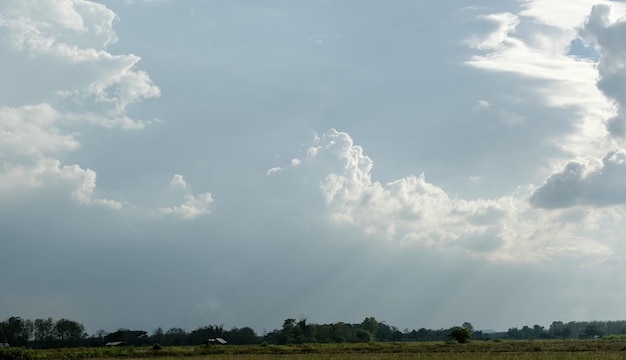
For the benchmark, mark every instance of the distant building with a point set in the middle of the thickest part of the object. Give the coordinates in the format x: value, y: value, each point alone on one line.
x: 217, y: 341
x: 116, y: 343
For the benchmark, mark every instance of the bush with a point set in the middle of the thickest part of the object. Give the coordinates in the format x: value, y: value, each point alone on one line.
x: 18, y: 353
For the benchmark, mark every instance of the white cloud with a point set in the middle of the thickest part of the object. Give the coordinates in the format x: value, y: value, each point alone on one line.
x: 564, y: 14
x: 29, y: 137
x: 590, y: 181
x: 178, y: 182
x: 600, y: 31
x: 194, y: 205
x: 74, y: 35
x: 57, y: 27
x: 534, y: 44
x: 273, y: 170
x: 84, y: 184
x: 32, y: 131
x: 413, y: 211
x: 80, y: 84
x: 50, y: 174
x: 505, y: 23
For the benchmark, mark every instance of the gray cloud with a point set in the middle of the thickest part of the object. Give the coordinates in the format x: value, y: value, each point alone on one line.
x: 577, y: 184
x: 607, y: 36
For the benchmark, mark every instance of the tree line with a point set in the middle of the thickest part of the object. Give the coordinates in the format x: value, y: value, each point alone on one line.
x: 49, y: 333
x: 573, y: 329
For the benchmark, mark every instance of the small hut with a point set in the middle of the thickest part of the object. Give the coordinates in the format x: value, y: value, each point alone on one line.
x: 215, y: 341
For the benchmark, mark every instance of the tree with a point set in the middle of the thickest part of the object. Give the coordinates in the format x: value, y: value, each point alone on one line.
x: 592, y: 331
x: 243, y: 336
x: 468, y: 326
x: 384, y: 332
x: 460, y: 334
x: 43, y: 332
x: 556, y: 329
x: 288, y: 333
x: 306, y: 332
x: 341, y: 332
x: 539, y: 332
x: 158, y: 335
x: 16, y: 331
x: 363, y: 335
x: 200, y: 335
x: 370, y: 325
x: 68, y: 333
x: 176, y: 336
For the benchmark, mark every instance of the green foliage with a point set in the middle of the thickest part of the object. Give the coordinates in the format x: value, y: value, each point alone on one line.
x: 363, y: 335
x: 68, y: 333
x: 370, y: 325
x: 47, y: 333
x: 460, y: 334
x: 19, y: 353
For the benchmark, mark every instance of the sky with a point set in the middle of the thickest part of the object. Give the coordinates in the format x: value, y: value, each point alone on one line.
x: 191, y: 163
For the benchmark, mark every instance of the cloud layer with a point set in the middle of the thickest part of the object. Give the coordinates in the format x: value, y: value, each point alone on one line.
x: 82, y: 84
x: 340, y: 170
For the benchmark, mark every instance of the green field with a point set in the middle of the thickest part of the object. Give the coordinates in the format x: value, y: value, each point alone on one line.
x: 513, y: 349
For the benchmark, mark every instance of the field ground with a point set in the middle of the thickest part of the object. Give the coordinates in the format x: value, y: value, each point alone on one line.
x: 513, y: 349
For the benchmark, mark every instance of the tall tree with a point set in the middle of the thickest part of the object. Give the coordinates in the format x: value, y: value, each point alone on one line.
x: 370, y: 325
x: 68, y: 333
x: 289, y: 331
x: 43, y: 332
x: 468, y: 326
x: 16, y: 331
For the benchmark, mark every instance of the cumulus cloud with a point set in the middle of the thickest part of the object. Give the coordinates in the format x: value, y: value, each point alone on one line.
x: 585, y: 184
x: 49, y: 173
x: 178, y: 182
x: 73, y: 36
x: 29, y: 137
x: 414, y: 211
x: 605, y: 35
x: 194, y: 205
x: 32, y: 131
x: 61, y: 28
x: 596, y: 182
x: 81, y: 84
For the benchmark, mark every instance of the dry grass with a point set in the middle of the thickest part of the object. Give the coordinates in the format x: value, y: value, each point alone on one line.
x: 522, y: 349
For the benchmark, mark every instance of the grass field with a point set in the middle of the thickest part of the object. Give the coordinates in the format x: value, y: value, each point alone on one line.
x: 521, y: 349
